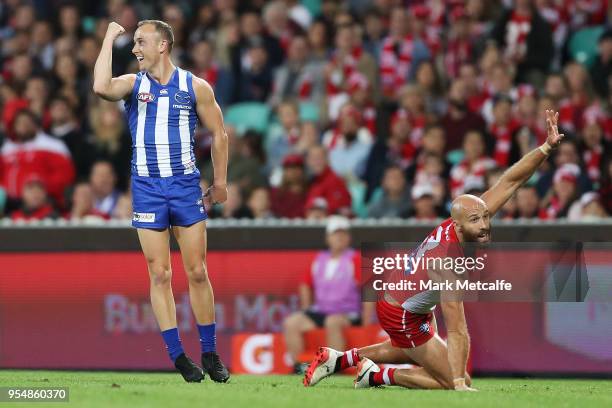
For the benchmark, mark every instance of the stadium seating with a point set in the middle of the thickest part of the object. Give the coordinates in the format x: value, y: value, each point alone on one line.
x: 583, y: 45
x: 357, y: 190
x: 248, y: 115
x: 309, y: 112
x: 454, y: 156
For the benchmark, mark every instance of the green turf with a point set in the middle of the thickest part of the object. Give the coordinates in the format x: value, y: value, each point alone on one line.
x: 109, y: 389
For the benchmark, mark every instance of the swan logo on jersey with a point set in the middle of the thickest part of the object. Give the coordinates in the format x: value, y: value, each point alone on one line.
x: 182, y: 97
x: 425, y: 328
x: 145, y: 97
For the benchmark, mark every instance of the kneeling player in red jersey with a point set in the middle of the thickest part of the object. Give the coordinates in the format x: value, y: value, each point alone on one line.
x: 410, y: 323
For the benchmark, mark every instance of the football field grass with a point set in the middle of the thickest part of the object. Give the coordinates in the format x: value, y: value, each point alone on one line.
x: 131, y: 389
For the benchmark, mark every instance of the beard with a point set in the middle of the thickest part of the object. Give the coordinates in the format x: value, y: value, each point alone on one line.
x: 479, y: 238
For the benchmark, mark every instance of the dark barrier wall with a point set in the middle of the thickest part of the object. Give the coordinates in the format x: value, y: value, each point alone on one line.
x: 253, y: 235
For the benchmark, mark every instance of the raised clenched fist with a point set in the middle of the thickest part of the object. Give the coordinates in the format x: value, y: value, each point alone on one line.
x: 114, y: 30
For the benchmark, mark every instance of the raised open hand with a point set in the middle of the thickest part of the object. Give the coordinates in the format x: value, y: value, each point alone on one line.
x: 554, y: 138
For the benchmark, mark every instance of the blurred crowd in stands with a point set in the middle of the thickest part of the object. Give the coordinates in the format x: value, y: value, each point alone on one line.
x: 363, y: 108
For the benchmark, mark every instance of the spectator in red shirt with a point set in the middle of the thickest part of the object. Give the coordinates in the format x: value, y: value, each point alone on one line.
x: 34, y: 152
x: 580, y: 96
x: 35, y: 203
x: 289, y: 199
x: 502, y: 128
x: 326, y: 183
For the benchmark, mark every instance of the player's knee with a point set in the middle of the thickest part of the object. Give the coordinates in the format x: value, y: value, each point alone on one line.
x: 161, y: 275
x: 292, y: 322
x: 197, y: 274
x: 335, y: 322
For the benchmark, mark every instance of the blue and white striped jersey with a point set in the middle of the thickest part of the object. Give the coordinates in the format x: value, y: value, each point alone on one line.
x: 162, y: 121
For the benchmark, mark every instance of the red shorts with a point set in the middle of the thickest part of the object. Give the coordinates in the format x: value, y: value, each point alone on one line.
x: 406, y: 329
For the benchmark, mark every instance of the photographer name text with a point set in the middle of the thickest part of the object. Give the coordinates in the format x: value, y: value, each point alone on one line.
x: 406, y: 285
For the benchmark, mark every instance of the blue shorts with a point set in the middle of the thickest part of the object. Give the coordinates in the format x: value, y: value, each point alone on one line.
x: 160, y: 202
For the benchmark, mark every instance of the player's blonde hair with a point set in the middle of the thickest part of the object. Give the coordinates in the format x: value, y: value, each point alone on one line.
x: 164, y: 29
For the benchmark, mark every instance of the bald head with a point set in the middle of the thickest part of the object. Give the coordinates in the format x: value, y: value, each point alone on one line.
x: 464, y: 203
x: 471, y: 218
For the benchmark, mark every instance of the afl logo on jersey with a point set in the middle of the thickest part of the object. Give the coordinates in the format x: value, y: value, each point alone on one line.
x: 145, y: 97
x: 182, y: 97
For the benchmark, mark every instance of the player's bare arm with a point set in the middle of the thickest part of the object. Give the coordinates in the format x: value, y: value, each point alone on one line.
x: 105, y: 86
x: 458, y: 342
x: 520, y: 172
x: 211, y: 116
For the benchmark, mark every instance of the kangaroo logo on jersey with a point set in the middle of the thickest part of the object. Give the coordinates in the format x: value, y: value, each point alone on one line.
x: 145, y: 97
x: 182, y: 97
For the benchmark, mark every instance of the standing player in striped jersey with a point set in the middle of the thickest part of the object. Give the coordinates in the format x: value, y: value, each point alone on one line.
x: 163, y: 103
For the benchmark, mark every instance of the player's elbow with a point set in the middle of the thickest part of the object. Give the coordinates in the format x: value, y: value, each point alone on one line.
x: 221, y: 136
x: 103, y: 91
x: 99, y: 89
